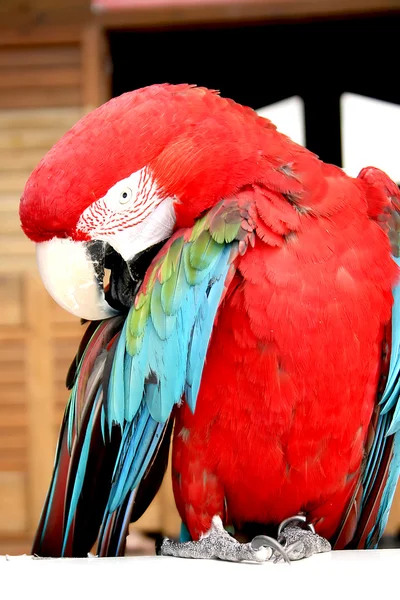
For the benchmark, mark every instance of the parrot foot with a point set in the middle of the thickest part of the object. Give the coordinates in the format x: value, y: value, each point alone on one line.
x: 300, y: 541
x: 217, y: 543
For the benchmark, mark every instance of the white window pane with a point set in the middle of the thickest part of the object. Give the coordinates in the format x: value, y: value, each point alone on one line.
x: 288, y: 116
x: 370, y: 135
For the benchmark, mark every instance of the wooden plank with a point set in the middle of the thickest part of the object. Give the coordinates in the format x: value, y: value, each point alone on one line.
x: 10, y: 224
x: 66, y: 76
x: 37, y: 56
x: 32, y: 139
x: 12, y: 334
x: 13, y: 460
x: 239, y: 11
x: 11, y: 372
x: 49, y: 7
x: 393, y: 525
x: 40, y: 97
x: 12, y: 502
x: 8, y: 203
x: 13, y: 418
x: 13, y: 395
x: 57, y: 119
x: 10, y: 440
x: 18, y: 264
x: 19, y: 160
x: 14, y: 350
x: 96, y: 67
x: 29, y: 13
x: 61, y: 317
x: 40, y: 397
x: 64, y: 351
x: 12, y: 182
x: 61, y: 370
x: 12, y: 245
x: 40, y: 34
x: 62, y: 330
x: 11, y: 301
x: 170, y: 519
x: 15, y: 546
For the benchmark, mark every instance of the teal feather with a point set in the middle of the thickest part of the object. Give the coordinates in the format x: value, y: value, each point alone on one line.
x: 173, y: 289
x: 116, y: 396
x: 184, y: 535
x: 388, y: 424
x: 169, y: 362
x: 163, y: 322
x: 81, y: 471
x: 71, y: 416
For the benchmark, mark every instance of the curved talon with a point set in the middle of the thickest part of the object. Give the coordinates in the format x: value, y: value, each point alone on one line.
x: 293, y: 548
x: 295, y: 519
x: 263, y: 540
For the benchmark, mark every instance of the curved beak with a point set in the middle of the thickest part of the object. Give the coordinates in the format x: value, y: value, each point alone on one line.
x: 73, y: 274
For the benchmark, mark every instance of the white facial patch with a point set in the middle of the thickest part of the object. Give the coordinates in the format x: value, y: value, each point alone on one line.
x: 155, y: 228
x: 131, y: 217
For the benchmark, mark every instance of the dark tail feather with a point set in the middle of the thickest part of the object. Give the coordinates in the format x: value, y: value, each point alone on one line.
x: 81, y: 429
x: 49, y: 535
x: 52, y: 539
x: 115, y: 527
x: 369, y: 521
x: 76, y: 505
x: 360, y: 526
x: 112, y: 541
x: 349, y: 525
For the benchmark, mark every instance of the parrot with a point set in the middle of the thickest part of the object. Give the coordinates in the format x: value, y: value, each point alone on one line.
x: 241, y: 305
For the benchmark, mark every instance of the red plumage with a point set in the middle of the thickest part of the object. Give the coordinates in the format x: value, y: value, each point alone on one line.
x: 294, y: 363
x: 293, y: 366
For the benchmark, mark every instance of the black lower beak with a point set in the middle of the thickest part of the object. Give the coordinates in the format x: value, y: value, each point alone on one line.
x: 125, y: 277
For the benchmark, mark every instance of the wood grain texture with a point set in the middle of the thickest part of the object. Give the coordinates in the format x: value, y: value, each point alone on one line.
x: 12, y: 502
x: 48, y: 12
x: 33, y: 75
x: 96, y: 65
x: 237, y: 11
x: 40, y: 392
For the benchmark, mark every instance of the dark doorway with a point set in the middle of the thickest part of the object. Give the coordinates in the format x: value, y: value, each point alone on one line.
x: 260, y: 64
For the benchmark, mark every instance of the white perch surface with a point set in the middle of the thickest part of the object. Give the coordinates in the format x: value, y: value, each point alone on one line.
x: 337, y: 575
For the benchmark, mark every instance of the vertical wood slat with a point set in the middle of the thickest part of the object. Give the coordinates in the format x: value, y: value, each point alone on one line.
x: 96, y: 67
x: 393, y: 525
x: 40, y: 397
x: 170, y: 519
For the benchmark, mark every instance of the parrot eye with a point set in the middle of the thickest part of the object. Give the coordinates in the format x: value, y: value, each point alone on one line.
x: 125, y: 195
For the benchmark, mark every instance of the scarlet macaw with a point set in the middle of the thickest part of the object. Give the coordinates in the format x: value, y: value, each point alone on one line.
x: 250, y: 310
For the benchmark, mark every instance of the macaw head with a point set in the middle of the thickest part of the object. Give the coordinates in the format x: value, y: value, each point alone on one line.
x: 124, y: 177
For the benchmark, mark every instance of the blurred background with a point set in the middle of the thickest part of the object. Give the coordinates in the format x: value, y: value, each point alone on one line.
x: 326, y: 71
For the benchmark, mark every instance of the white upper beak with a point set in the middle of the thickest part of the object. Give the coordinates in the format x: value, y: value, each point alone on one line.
x: 69, y: 275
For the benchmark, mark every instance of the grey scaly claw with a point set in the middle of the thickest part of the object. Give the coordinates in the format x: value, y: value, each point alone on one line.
x: 217, y: 543
x: 299, y: 542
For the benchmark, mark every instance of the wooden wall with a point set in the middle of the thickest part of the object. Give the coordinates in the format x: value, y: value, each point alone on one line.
x: 40, y: 98
x: 48, y: 79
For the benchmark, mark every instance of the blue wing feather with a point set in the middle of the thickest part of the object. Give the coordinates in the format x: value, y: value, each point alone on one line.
x: 80, y: 474
x: 388, y: 424
x: 143, y: 388
x: 165, y: 367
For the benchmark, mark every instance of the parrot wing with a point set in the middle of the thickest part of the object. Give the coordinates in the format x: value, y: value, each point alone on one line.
x: 369, y: 510
x: 128, y: 376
